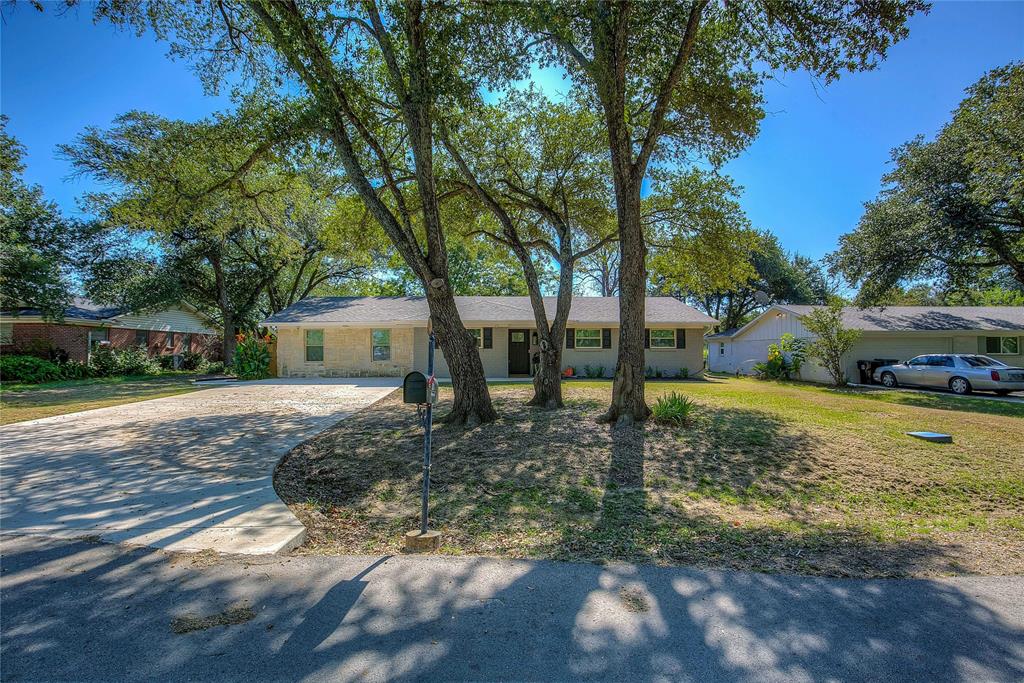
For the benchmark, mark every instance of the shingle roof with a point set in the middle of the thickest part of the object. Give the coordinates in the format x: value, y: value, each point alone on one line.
x: 80, y: 309
x: 927, y: 318
x: 494, y: 309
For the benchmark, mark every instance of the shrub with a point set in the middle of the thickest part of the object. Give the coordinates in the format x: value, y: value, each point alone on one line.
x: 72, y: 369
x: 595, y: 372
x: 106, y: 362
x: 252, y: 357
x: 673, y: 409
x: 193, y: 361
x: 215, y: 367
x: 166, y: 362
x: 784, y: 359
x: 29, y: 369
x: 684, y: 373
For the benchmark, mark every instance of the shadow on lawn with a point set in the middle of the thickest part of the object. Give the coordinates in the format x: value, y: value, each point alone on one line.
x: 557, y: 485
x: 478, y: 619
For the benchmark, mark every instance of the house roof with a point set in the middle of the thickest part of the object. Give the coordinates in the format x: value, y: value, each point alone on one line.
x: 80, y: 309
x: 912, y: 318
x: 927, y: 318
x: 482, y: 309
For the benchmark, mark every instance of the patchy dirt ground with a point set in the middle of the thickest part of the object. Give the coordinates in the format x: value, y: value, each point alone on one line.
x: 766, y: 477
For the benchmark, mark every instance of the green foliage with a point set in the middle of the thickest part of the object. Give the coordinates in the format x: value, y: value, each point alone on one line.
x: 785, y: 278
x: 72, y: 369
x: 39, y: 248
x: 215, y: 368
x: 195, y: 362
x: 684, y: 373
x: 784, y: 359
x: 252, y: 357
x: 951, y: 210
x: 832, y: 340
x: 674, y: 409
x: 106, y: 361
x: 28, y: 369
x: 593, y: 372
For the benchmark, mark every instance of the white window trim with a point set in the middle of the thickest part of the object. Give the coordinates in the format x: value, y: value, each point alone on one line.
x: 652, y: 347
x: 1000, y: 352
x: 576, y: 339
x: 380, y: 329
x: 479, y: 339
x: 305, y: 345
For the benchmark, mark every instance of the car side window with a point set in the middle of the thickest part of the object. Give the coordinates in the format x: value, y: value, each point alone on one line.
x: 920, y: 360
x: 941, y: 361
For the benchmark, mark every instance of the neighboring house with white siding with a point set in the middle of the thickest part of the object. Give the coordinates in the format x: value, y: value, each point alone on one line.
x: 380, y: 336
x: 85, y: 325
x: 892, y: 332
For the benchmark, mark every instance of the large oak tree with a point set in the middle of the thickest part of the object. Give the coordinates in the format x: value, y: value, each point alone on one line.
x: 678, y: 80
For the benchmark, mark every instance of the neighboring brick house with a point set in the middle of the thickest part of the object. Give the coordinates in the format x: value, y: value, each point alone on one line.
x: 85, y: 325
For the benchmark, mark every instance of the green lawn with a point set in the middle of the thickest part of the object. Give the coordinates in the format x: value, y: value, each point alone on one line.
x: 20, y: 402
x: 772, y: 477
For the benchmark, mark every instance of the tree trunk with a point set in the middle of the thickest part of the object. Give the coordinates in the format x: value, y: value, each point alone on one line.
x: 628, y: 402
x: 472, y: 404
x: 547, y: 383
x: 229, y: 336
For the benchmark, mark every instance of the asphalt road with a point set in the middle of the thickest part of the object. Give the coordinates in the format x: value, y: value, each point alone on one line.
x: 87, y: 611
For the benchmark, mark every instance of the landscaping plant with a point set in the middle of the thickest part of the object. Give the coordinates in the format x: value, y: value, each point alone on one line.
x: 107, y: 362
x: 252, y: 356
x: 784, y: 359
x: 673, y: 409
x: 28, y: 369
x: 833, y: 339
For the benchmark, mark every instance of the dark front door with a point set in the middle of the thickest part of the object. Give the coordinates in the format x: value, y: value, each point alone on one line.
x: 518, y: 352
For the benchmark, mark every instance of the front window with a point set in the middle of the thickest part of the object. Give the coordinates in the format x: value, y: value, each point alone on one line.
x: 478, y: 336
x: 186, y: 343
x: 663, y: 339
x: 381, y: 341
x: 588, y: 339
x: 97, y: 337
x: 142, y: 338
x: 1006, y: 346
x: 920, y: 360
x: 314, y: 346
x: 721, y: 349
x: 169, y: 340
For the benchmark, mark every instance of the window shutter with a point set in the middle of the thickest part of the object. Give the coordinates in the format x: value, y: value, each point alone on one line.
x: 647, y: 338
x: 680, y: 339
x: 570, y: 338
x: 488, y: 337
x: 606, y: 338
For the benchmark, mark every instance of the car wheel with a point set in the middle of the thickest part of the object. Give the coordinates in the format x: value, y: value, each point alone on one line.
x: 959, y: 385
x: 889, y: 380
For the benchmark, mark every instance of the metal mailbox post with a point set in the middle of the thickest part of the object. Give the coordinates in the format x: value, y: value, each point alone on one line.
x: 423, y: 391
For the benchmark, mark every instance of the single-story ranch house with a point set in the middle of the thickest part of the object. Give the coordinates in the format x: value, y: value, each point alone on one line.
x: 381, y: 336
x: 86, y: 324
x: 893, y: 333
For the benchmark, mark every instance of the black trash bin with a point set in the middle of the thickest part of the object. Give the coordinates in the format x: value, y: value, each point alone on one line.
x: 865, y: 370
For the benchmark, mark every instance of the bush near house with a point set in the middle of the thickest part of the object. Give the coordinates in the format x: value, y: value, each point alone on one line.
x: 784, y: 359
x: 252, y: 356
x: 28, y: 369
x: 133, y: 360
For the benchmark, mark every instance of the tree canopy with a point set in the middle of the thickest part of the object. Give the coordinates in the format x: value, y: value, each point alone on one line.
x: 952, y: 210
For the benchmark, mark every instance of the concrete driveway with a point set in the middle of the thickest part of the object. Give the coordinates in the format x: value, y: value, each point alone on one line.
x: 189, y: 472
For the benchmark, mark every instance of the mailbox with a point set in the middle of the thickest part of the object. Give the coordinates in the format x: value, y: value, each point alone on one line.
x: 414, y: 388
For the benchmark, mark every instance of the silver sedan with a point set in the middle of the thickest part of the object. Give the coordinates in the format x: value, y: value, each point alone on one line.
x: 961, y: 373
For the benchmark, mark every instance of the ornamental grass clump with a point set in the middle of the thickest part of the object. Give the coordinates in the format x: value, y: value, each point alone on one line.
x: 673, y: 409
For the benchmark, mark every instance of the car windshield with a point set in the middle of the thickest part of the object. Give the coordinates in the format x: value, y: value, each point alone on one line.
x: 982, y: 362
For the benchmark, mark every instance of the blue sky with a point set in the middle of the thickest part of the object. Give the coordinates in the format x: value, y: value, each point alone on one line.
x: 820, y: 155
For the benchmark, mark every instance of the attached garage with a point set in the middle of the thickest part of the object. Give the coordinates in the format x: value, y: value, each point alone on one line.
x: 895, y: 332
